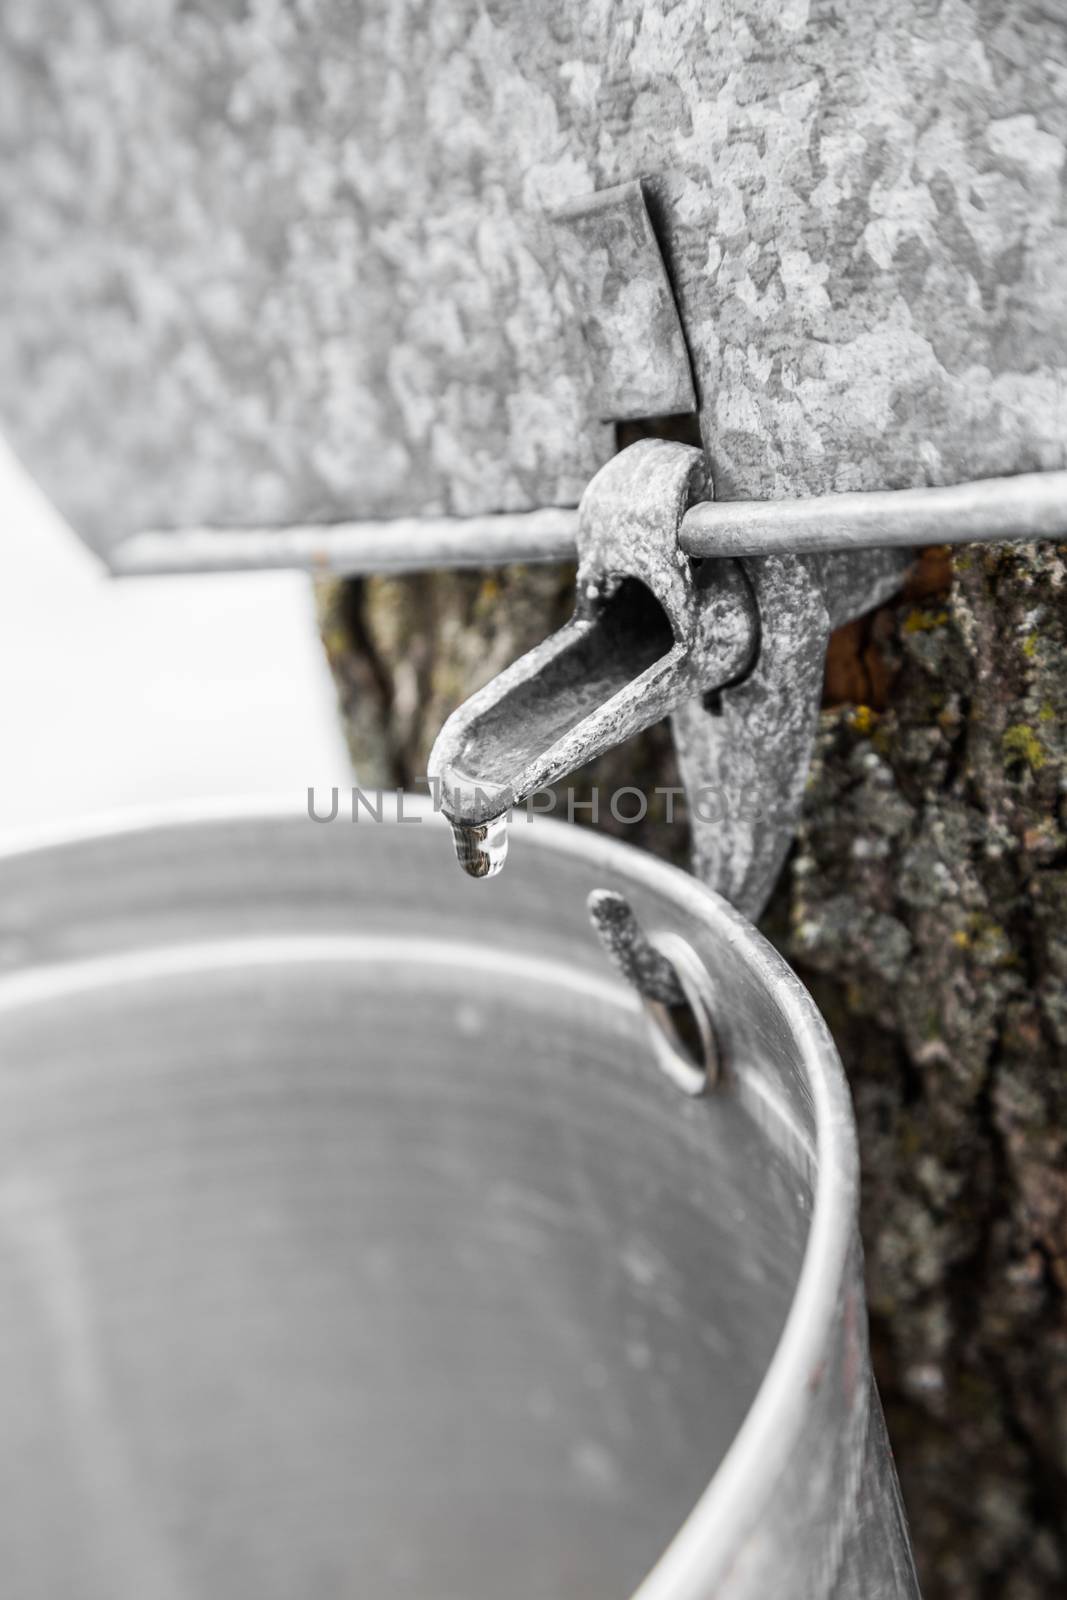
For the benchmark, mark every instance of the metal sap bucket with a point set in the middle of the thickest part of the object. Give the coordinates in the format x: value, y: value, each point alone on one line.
x: 352, y: 1241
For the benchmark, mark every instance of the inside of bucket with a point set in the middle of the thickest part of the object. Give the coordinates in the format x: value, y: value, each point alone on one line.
x: 376, y: 1281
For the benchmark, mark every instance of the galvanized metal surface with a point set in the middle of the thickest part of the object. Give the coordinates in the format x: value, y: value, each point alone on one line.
x: 633, y: 335
x: 392, y: 544
x: 991, y: 511
x: 350, y: 1235
x: 291, y: 264
x: 745, y: 768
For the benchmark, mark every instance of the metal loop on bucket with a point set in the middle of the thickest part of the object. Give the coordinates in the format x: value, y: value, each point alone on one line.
x: 693, y: 1073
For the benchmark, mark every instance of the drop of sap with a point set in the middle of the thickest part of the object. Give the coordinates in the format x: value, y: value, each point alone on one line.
x: 481, y: 849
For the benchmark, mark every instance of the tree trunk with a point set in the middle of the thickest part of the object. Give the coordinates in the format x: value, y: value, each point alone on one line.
x: 926, y: 907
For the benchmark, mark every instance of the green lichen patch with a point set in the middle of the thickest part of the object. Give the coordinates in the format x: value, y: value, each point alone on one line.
x: 1021, y: 743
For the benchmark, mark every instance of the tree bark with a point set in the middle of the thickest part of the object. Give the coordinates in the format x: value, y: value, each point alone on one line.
x: 926, y: 906
x: 928, y: 903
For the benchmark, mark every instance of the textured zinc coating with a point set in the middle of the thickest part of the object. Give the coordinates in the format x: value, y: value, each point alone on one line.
x: 290, y: 262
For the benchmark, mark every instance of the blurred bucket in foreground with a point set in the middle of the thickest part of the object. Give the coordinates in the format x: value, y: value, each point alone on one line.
x: 352, y: 1241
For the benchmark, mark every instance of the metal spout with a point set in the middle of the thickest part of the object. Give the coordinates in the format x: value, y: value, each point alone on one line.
x: 616, y: 668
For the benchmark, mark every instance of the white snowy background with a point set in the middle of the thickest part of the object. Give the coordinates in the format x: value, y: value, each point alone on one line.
x: 140, y: 691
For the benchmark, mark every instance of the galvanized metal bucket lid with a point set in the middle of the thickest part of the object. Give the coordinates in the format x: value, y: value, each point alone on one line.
x: 282, y: 264
x: 350, y: 1232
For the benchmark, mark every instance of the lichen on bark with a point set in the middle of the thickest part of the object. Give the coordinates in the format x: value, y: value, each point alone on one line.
x: 929, y: 912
